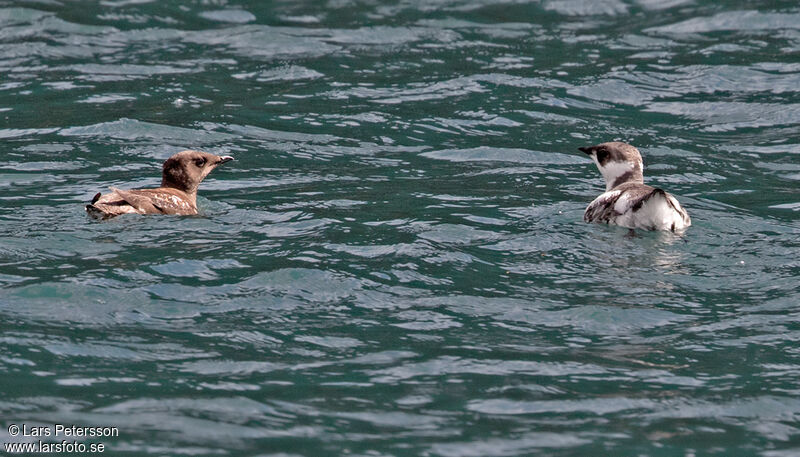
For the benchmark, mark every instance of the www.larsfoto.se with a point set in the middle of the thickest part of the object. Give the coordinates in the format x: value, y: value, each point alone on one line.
x: 54, y: 447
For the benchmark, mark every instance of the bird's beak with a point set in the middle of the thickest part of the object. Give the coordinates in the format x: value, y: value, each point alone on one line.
x: 587, y: 150
x: 224, y: 159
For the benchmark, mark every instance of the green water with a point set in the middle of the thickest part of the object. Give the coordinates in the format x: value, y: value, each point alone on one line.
x: 395, y: 264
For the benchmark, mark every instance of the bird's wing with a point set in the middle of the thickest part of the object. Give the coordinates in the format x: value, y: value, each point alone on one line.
x: 662, y: 211
x: 602, y: 208
x: 142, y: 203
x: 638, y: 206
x: 619, y: 201
x: 633, y: 197
x: 168, y: 201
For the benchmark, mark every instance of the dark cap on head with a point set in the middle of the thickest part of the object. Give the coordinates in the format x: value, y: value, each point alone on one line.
x: 612, y: 151
x: 618, y: 162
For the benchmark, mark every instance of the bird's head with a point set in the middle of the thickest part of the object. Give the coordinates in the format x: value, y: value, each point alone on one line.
x: 618, y: 162
x: 187, y: 169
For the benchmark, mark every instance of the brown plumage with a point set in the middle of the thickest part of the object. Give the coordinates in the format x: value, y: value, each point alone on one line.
x: 182, y: 174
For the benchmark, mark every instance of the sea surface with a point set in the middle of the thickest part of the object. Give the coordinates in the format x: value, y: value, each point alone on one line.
x: 396, y: 263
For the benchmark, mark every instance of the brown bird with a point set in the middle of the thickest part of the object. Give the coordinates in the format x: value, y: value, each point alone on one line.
x: 181, y: 176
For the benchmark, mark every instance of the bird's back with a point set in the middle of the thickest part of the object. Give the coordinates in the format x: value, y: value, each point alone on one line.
x: 163, y: 200
x: 634, y: 205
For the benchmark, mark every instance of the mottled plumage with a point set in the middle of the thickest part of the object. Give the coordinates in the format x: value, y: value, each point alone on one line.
x: 627, y: 201
x: 181, y: 176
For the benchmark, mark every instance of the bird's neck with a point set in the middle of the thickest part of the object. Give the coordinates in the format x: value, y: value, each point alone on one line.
x: 618, y: 173
x: 190, y: 193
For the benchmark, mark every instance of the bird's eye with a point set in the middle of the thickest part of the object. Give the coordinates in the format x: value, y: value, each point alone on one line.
x: 602, y: 155
x: 200, y: 162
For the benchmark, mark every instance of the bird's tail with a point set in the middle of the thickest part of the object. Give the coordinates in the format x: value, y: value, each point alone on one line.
x: 93, y: 210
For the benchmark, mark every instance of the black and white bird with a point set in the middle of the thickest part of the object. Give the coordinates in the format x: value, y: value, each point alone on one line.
x: 628, y: 201
x: 182, y: 174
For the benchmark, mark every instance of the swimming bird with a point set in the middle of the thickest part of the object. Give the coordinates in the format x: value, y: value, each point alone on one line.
x: 182, y: 174
x: 628, y: 201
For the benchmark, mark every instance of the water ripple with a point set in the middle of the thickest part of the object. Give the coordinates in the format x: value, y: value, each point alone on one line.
x: 396, y: 263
